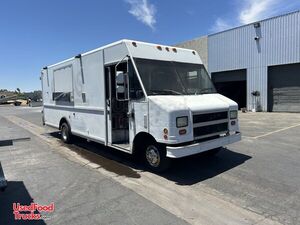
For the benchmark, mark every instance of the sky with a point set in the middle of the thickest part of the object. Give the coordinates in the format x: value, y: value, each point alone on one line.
x: 37, y: 33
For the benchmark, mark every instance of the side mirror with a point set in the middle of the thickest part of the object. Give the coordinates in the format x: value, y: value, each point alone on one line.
x: 122, y: 86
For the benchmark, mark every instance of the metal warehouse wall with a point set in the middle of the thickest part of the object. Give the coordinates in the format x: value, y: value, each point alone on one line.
x: 279, y: 43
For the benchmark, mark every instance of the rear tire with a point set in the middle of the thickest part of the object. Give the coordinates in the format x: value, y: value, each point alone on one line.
x: 65, y: 131
x: 155, y: 157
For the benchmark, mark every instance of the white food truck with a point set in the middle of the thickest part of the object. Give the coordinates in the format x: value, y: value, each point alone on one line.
x: 152, y: 100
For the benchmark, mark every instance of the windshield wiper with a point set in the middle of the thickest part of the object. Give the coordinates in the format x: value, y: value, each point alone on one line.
x: 205, y: 91
x: 165, y: 92
x: 172, y: 91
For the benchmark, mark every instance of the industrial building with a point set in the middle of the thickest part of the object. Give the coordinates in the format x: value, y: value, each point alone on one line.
x: 257, y: 65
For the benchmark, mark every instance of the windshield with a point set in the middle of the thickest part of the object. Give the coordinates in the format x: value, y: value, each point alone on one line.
x: 173, y: 78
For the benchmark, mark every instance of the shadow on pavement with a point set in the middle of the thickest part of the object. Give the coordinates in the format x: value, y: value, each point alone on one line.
x: 108, y: 158
x: 194, y: 169
x: 15, y: 192
x: 184, y: 171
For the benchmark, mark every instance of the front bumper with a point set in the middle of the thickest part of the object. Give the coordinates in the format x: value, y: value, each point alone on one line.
x: 182, y: 151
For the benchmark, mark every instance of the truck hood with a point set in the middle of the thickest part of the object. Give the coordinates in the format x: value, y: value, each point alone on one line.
x: 195, y: 103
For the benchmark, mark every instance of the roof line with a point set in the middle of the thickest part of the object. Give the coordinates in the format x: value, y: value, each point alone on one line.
x: 110, y: 45
x: 263, y: 20
x: 88, y: 52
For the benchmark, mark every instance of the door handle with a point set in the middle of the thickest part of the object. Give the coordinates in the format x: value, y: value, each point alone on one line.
x: 130, y: 114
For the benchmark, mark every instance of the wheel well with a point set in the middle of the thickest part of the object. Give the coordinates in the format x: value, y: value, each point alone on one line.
x: 140, y: 140
x: 63, y: 120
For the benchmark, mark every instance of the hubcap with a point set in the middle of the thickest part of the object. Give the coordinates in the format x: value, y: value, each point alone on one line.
x: 64, y: 133
x: 152, y: 156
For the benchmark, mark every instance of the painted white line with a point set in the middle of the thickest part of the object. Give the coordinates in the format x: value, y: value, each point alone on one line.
x: 248, y: 137
x: 276, y: 131
x: 204, y: 206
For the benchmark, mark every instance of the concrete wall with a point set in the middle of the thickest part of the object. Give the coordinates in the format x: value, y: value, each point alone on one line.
x: 200, y: 45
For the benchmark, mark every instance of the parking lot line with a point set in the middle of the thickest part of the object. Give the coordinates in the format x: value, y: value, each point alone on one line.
x: 276, y: 131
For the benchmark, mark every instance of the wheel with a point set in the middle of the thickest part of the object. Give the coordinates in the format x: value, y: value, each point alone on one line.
x: 155, y: 157
x: 213, y: 151
x: 66, y: 135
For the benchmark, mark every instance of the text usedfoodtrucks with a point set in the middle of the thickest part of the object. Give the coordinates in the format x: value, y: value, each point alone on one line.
x: 155, y: 101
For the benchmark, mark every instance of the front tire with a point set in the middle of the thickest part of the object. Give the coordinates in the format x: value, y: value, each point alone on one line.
x: 155, y: 157
x: 65, y: 132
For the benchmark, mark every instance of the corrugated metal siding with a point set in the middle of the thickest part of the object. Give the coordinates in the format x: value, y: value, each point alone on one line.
x: 237, y: 49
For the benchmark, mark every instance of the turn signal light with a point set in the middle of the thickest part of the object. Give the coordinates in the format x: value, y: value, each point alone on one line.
x: 182, y: 131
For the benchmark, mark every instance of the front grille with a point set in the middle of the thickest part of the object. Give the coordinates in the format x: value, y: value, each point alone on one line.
x: 210, y: 124
x: 210, y: 117
x: 210, y: 129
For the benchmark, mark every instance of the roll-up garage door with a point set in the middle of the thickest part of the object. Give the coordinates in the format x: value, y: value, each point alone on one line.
x: 232, y: 84
x: 284, y: 88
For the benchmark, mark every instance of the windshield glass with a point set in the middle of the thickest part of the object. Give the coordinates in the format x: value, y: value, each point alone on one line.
x: 173, y: 78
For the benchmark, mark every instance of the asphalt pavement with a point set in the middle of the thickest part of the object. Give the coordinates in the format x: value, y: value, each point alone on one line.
x: 36, y: 173
x: 255, y: 181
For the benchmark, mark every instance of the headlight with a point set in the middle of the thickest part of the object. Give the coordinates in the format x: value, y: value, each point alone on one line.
x: 181, y: 121
x: 233, y: 114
